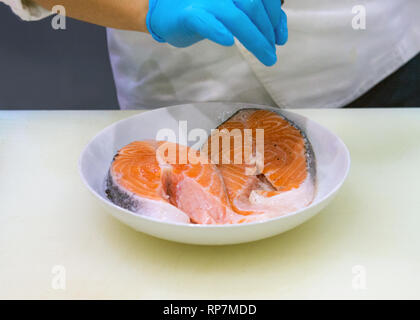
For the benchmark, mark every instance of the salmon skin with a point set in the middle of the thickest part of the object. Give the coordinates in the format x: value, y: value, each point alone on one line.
x: 149, y: 178
x: 284, y: 183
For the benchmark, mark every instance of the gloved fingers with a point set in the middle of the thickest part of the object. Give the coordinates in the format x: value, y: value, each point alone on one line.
x: 256, y: 11
x: 282, y: 32
x: 273, y: 9
x: 207, y: 26
x: 248, y: 34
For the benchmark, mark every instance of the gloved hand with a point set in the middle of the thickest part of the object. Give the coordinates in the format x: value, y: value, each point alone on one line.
x: 257, y: 24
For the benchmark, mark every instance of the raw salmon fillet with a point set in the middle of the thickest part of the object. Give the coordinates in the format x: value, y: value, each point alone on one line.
x: 283, y: 182
x: 144, y: 178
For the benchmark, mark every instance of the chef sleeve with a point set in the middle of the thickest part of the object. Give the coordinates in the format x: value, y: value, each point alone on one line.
x: 27, y: 10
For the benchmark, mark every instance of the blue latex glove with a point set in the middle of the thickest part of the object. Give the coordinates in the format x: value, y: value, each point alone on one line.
x: 257, y: 24
x: 278, y: 19
x: 277, y: 32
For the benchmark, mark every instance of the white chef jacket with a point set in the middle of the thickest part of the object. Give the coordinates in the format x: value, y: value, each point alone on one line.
x: 326, y: 63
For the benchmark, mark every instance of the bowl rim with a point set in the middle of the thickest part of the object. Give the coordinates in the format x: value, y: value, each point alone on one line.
x: 328, y: 195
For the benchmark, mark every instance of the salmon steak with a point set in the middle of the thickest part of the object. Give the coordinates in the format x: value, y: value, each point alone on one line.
x: 147, y: 177
x: 255, y: 166
x: 277, y: 177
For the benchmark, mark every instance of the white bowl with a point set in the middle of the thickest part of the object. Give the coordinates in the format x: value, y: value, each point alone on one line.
x: 332, y: 167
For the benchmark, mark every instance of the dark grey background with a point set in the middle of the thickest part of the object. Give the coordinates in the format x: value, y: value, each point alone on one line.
x: 43, y: 68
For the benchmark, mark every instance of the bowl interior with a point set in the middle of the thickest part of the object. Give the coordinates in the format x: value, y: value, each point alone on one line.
x: 332, y: 156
